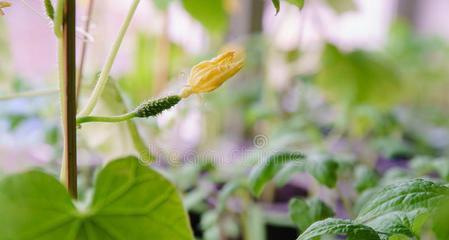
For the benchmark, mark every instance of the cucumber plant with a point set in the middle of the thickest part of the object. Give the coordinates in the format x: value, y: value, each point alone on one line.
x: 130, y: 200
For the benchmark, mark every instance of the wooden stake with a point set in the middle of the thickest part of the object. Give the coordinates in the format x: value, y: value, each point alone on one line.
x: 69, y: 91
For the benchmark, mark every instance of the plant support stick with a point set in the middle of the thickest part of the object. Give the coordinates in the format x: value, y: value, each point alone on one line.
x: 69, y: 97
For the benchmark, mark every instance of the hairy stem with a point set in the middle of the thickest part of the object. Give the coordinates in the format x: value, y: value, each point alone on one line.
x: 119, y: 118
x: 104, y: 75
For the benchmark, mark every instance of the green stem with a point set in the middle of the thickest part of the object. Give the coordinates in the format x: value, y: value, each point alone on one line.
x: 118, y: 118
x: 104, y: 75
x: 59, y: 16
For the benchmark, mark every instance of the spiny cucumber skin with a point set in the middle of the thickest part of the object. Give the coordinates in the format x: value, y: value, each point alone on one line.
x: 154, y: 107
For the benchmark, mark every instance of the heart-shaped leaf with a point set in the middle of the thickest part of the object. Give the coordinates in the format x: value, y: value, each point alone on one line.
x: 130, y: 201
x: 34, y: 205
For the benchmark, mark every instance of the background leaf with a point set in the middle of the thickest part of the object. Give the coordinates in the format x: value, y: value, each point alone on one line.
x: 162, y: 4
x: 323, y: 168
x: 277, y: 5
x: 266, y: 170
x: 358, y: 78
x: 287, y: 172
x: 332, y: 226
x: 211, y: 13
x: 341, y: 6
x: 304, y: 213
x: 298, y: 3
x: 365, y: 178
x: 227, y: 191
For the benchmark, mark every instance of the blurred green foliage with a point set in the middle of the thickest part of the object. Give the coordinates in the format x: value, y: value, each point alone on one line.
x: 379, y: 108
x: 358, y: 78
x: 211, y: 14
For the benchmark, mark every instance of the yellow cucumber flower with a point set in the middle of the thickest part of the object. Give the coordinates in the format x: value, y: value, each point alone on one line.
x: 4, y: 5
x: 206, y: 76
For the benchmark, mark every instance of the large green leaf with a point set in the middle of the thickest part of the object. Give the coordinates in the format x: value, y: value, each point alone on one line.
x: 211, y: 13
x: 266, y: 170
x: 405, y: 196
x: 130, y: 201
x: 400, y: 223
x: 402, y: 208
x: 304, y: 213
x: 332, y: 226
x: 34, y: 205
x: 397, y: 211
